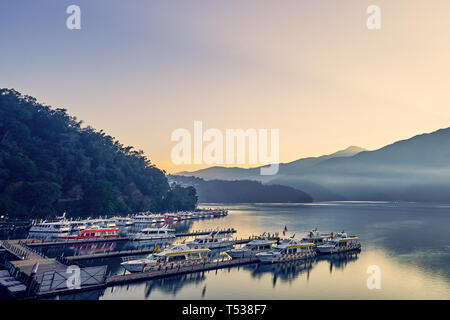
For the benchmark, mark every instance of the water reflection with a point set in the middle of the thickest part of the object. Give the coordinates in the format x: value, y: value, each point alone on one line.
x: 173, y: 285
x: 410, y: 242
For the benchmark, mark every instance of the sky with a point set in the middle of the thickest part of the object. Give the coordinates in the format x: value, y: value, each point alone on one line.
x: 312, y: 69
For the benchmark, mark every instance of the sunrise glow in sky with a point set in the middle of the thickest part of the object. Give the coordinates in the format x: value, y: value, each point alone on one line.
x: 141, y: 69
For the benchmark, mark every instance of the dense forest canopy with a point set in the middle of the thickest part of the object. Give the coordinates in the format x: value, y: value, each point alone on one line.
x: 50, y: 164
x: 241, y: 191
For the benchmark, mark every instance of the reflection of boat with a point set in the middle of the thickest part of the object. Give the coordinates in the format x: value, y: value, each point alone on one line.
x: 339, y: 243
x: 211, y: 241
x: 174, y: 256
x: 154, y: 234
x: 93, y: 232
x: 84, y: 249
x: 289, y: 249
x: 340, y: 260
x: 261, y: 244
x: 288, y: 271
x: 174, y: 284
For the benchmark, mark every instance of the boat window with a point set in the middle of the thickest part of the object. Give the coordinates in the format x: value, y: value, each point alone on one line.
x: 176, y: 258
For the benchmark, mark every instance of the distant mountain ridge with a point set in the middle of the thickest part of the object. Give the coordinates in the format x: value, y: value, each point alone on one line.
x: 415, y: 169
x: 240, y: 191
x: 233, y: 173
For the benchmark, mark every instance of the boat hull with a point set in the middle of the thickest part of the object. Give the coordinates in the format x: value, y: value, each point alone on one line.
x: 278, y: 258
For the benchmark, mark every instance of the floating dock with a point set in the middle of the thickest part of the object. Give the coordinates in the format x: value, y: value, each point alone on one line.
x: 126, y: 278
x: 46, y: 277
x: 45, y: 243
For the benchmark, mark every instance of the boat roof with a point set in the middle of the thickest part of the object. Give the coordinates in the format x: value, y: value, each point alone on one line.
x: 98, y: 230
x: 261, y: 241
x: 345, y: 239
x: 179, y: 249
x: 165, y: 228
x: 294, y: 243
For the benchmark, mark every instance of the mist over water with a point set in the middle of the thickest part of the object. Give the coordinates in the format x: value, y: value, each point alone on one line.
x: 410, y: 243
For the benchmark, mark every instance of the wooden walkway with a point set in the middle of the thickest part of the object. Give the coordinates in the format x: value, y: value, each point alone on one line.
x: 21, y: 251
x: 126, y: 278
x: 113, y: 254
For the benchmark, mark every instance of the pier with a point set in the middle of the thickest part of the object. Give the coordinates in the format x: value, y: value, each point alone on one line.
x: 114, y: 254
x: 45, y: 277
x: 131, y: 277
x: 46, y: 243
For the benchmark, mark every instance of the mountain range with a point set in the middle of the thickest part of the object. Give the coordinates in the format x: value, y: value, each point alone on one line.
x: 415, y: 169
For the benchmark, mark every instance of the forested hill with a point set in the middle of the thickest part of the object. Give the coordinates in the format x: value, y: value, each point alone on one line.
x: 50, y: 164
x: 241, y: 191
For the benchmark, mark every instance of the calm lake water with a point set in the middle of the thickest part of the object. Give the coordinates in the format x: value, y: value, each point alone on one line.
x: 409, y: 242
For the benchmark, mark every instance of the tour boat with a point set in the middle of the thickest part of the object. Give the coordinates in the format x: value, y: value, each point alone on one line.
x: 288, y: 250
x: 340, y: 243
x: 316, y: 237
x: 51, y: 227
x: 154, y: 234
x: 211, y: 241
x: 171, y: 217
x: 77, y: 225
x: 123, y: 221
x: 148, y: 219
x: 261, y: 244
x: 104, y: 223
x: 177, y: 255
x: 92, y: 232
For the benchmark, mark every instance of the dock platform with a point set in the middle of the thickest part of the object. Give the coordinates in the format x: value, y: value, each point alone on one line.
x: 45, y: 243
x: 131, y: 277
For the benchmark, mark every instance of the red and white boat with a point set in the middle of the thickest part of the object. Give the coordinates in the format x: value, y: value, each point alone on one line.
x: 94, y: 232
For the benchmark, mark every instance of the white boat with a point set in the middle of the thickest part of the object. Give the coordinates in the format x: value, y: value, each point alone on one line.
x: 340, y: 243
x: 261, y: 244
x: 154, y: 234
x: 211, y: 241
x: 91, y: 232
x: 54, y: 228
x: 290, y: 249
x: 148, y: 219
x: 123, y: 221
x: 316, y: 237
x: 102, y: 222
x: 177, y: 255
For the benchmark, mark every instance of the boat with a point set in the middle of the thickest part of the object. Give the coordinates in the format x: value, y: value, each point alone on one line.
x: 54, y: 228
x: 211, y: 241
x: 103, y: 222
x: 340, y: 243
x: 77, y: 225
x: 177, y: 255
x: 261, y: 244
x: 92, y: 232
x: 123, y: 221
x: 171, y: 217
x: 148, y: 219
x: 289, y: 249
x: 316, y: 237
x: 154, y: 234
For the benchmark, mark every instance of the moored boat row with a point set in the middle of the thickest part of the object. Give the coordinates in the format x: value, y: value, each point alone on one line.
x: 264, y: 248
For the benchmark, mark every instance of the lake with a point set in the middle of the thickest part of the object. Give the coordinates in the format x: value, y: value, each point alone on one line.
x: 409, y: 242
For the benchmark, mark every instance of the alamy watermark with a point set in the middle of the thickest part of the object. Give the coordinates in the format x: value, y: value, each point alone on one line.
x: 374, y: 19
x: 73, y: 21
x: 210, y: 147
x: 374, y: 280
x: 74, y: 280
